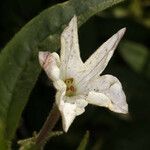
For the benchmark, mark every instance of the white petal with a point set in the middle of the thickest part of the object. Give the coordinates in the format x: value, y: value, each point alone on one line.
x: 71, y: 62
x: 67, y: 110
x: 61, y: 91
x: 69, y: 107
x: 80, y: 102
x: 108, y: 92
x: 68, y: 114
x: 98, y: 99
x: 79, y: 111
x: 50, y: 63
x: 100, y: 58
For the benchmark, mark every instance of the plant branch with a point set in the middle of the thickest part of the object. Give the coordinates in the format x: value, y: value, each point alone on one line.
x: 48, y: 126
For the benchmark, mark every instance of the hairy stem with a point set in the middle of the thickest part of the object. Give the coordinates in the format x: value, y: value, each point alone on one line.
x: 48, y: 126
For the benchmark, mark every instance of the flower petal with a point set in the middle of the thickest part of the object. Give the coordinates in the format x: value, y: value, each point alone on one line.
x: 67, y: 110
x: 98, y: 99
x: 100, y: 58
x: 107, y: 91
x: 68, y: 114
x: 61, y: 91
x: 69, y: 107
x: 50, y: 63
x: 71, y: 62
x: 80, y: 102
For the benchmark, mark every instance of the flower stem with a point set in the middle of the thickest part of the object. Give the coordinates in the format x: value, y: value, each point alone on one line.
x: 48, y: 126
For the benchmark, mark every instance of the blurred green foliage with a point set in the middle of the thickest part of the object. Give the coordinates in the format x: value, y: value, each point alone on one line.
x: 84, y: 142
x: 130, y: 63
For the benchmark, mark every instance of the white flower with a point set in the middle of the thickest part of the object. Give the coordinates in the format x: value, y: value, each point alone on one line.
x: 79, y: 84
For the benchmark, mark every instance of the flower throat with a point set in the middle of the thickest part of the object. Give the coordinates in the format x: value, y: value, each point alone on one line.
x: 70, y: 91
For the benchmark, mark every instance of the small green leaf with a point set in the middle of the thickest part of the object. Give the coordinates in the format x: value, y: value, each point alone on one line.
x: 84, y: 142
x: 135, y: 55
x: 30, y: 143
x: 55, y: 133
x: 19, y: 67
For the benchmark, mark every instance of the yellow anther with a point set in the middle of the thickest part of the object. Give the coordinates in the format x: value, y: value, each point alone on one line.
x: 70, y: 91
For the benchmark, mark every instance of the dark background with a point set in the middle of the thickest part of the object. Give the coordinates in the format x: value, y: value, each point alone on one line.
x: 107, y: 130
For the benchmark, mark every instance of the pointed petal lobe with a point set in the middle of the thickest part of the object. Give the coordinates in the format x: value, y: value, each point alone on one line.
x: 67, y: 111
x: 100, y: 58
x: 70, y: 55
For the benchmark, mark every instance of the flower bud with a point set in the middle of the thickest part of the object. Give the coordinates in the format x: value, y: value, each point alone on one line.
x: 49, y: 63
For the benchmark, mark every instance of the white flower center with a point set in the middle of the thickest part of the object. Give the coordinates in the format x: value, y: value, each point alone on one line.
x: 70, y: 91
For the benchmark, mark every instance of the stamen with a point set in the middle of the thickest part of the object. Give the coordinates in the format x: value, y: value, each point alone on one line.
x: 70, y: 91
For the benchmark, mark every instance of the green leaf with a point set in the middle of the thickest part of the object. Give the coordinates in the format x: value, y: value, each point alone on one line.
x: 84, y: 142
x: 19, y: 67
x: 135, y: 54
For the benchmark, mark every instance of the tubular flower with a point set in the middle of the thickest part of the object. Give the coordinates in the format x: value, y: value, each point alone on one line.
x: 79, y: 84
